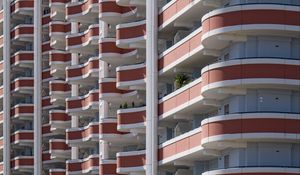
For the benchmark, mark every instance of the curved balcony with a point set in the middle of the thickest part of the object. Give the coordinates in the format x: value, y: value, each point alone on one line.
x: 22, y: 85
x: 219, y: 30
x: 22, y: 59
x: 255, y: 171
x: 1, y: 167
x: 22, y: 112
x: 57, y: 172
x: 112, y: 13
x: 1, y: 118
x: 21, y: 7
x: 48, y: 160
x: 107, y: 167
x: 86, y: 73
x: 131, y: 35
x: 1, y: 67
x: 1, y: 21
x: 46, y: 20
x: 46, y: 131
x: 58, y: 9
x: 46, y: 75
x: 57, y: 32
x: 46, y: 48
x: 186, y: 98
x: 85, y: 42
x: 108, y: 131
x: 1, y: 45
x: 235, y: 75
x: 46, y: 103
x: 110, y: 53
x: 59, y: 121
x: 22, y: 164
x: 89, y: 165
x: 129, y: 162
x: 59, y: 90
x: 109, y: 92
x: 131, y: 77
x: 22, y: 137
x: 132, y: 118
x: 22, y: 32
x: 182, y: 13
x: 86, y: 105
x: 58, y: 61
x: 84, y: 136
x: 185, y: 147
x: 59, y: 149
x: 85, y: 11
x: 249, y: 126
x: 185, y: 53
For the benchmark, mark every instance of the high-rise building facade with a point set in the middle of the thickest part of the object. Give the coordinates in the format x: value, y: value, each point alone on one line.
x: 150, y: 87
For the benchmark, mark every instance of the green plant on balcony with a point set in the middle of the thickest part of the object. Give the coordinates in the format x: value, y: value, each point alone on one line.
x: 181, y: 80
x: 125, y: 106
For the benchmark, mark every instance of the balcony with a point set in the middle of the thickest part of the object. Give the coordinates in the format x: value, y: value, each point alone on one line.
x: 234, y: 76
x: 46, y: 20
x: 59, y: 149
x: 58, y: 9
x: 84, y: 136
x: 85, y: 11
x: 218, y: 26
x: 21, y: 7
x: 22, y: 164
x: 129, y: 162
x: 59, y: 121
x: 46, y: 131
x: 86, y: 73
x: 112, y: 13
x: 108, y: 132
x: 22, y: 85
x: 22, y: 33
x: 131, y: 35
x: 22, y: 112
x: 57, y: 32
x: 221, y: 131
x: 48, y: 160
x: 22, y: 59
x: 46, y: 75
x: 255, y: 170
x: 131, y: 118
x: 107, y: 167
x: 89, y: 165
x: 46, y: 103
x: 57, y: 172
x: 131, y: 77
x: 184, y: 99
x: 182, y: 13
x: 46, y: 48
x: 85, y: 42
x: 58, y: 61
x: 185, y: 147
x: 131, y: 3
x: 59, y: 90
x: 185, y: 54
x: 110, y: 53
x: 86, y: 105
x: 22, y: 138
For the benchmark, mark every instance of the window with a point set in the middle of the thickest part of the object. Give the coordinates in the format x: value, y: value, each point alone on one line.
x: 226, y: 161
x: 226, y: 109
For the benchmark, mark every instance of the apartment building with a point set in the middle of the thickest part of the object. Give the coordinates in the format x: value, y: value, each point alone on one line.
x: 141, y: 87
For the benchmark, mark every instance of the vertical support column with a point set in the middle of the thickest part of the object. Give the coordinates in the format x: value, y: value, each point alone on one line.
x: 151, y: 88
x: 74, y: 88
x: 37, y: 87
x: 103, y: 109
x: 6, y: 87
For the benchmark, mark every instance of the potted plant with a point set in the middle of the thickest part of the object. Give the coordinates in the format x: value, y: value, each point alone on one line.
x: 181, y: 80
x: 125, y: 106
